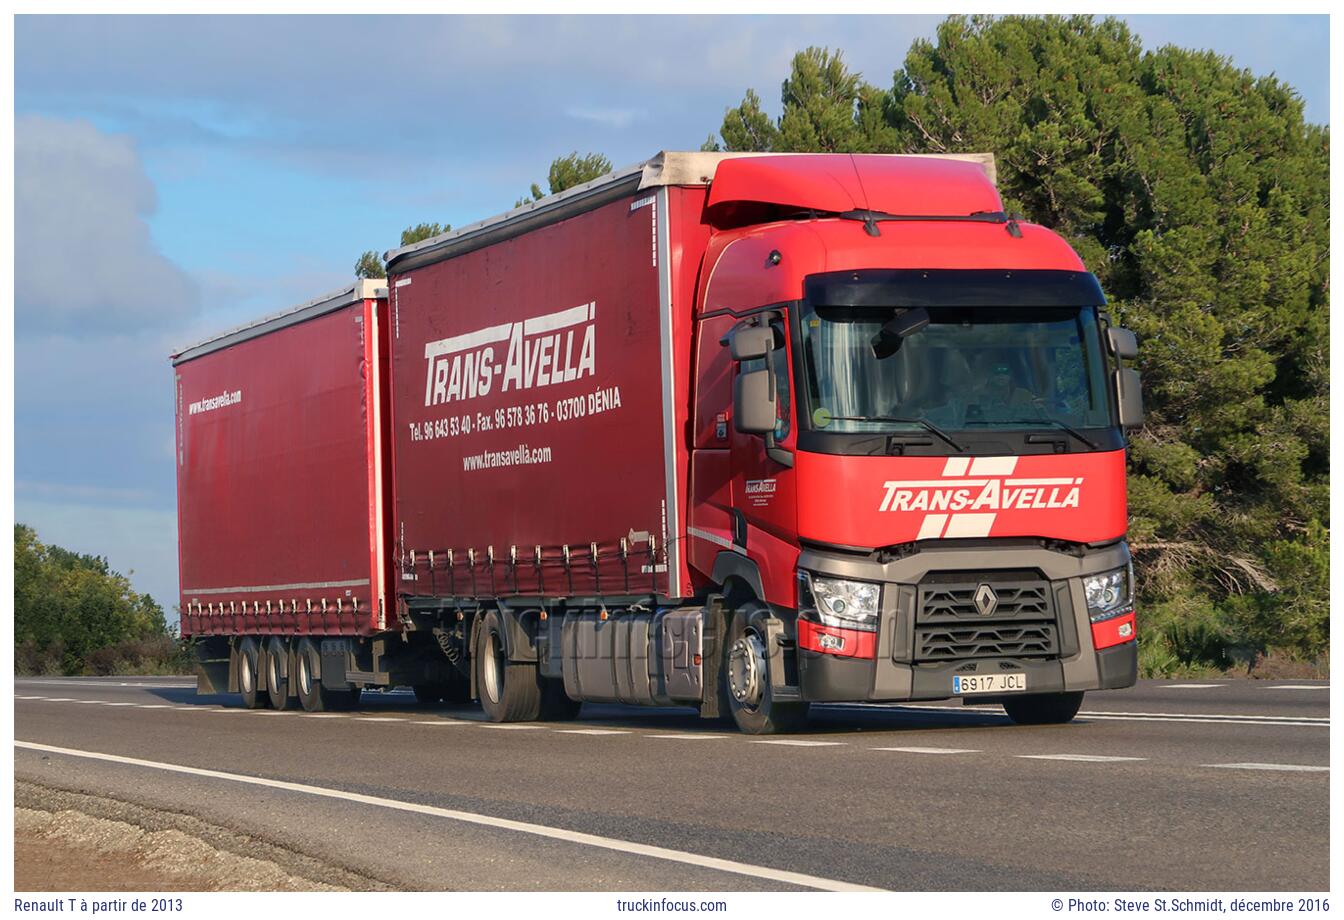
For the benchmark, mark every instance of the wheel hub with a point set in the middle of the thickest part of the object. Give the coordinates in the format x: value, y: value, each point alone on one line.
x: 746, y: 670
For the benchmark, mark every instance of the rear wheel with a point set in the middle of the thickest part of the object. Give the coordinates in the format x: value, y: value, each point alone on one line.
x: 508, y: 692
x: 745, y: 680
x: 312, y: 694
x: 277, y: 676
x: 249, y: 674
x: 1043, y: 708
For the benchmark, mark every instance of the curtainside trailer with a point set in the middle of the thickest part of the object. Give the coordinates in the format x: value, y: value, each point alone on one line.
x: 735, y: 432
x: 283, y: 482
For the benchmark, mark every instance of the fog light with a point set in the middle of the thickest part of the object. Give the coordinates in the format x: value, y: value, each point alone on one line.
x: 831, y: 643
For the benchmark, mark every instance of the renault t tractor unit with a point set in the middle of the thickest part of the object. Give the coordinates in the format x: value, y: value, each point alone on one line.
x: 734, y: 432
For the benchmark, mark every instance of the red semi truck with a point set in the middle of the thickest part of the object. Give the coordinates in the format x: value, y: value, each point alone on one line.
x: 737, y: 432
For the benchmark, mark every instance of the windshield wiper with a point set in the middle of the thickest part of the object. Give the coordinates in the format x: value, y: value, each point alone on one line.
x: 927, y: 425
x: 1039, y: 421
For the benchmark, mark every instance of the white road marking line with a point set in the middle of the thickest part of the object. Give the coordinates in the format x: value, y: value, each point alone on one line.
x: 153, y: 706
x: 29, y: 697
x: 1307, y: 723
x: 1288, y: 767
x: 110, y: 704
x: 798, y: 742
x: 86, y: 682
x: 1202, y: 715
x: 325, y: 715
x: 689, y: 736
x: 507, y: 725
x: 976, y: 709
x: 376, y: 719
x: 92, y: 702
x: 1192, y: 686
x: 928, y: 750
x: 1084, y: 758
x: 222, y: 709
x: 440, y: 722
x: 467, y: 817
x: 1299, y: 687
x: 67, y: 699
x: 590, y: 731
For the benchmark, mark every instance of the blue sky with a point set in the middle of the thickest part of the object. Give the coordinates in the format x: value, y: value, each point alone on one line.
x: 179, y: 175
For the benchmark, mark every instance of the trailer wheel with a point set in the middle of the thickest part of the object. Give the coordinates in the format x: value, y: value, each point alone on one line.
x: 277, y: 682
x: 745, y: 684
x: 508, y: 692
x: 313, y: 696
x: 556, y: 706
x: 1044, y: 708
x: 249, y: 674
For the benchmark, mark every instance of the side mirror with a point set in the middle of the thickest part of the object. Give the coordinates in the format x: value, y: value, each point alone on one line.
x: 753, y: 403
x: 888, y: 338
x: 1129, y: 397
x: 1122, y: 343
x: 748, y: 342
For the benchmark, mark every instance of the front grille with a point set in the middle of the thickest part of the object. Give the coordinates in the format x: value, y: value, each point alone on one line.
x: 957, y: 602
x: 1024, y: 640
x: 1020, y: 623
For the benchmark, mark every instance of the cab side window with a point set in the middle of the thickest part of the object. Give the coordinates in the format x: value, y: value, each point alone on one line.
x: 779, y: 357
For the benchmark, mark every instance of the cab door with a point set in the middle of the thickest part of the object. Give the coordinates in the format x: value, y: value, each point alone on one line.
x: 764, y: 501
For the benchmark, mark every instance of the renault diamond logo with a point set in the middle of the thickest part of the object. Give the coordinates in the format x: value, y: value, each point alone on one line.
x: 985, y: 600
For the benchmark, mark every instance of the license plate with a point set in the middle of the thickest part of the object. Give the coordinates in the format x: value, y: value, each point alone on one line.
x: 989, y: 683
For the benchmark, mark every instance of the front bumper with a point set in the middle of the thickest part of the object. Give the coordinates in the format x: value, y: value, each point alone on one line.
x: 895, y: 674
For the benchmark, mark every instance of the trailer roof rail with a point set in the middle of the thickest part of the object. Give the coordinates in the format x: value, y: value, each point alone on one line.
x: 361, y: 289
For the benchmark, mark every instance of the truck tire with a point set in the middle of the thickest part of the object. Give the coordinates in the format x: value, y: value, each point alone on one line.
x: 556, y: 706
x: 508, y: 692
x: 313, y: 696
x: 277, y: 681
x: 1044, y: 708
x: 249, y: 674
x: 744, y: 684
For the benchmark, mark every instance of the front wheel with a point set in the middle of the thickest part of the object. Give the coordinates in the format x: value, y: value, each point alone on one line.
x: 745, y: 680
x: 1043, y: 708
x: 509, y: 692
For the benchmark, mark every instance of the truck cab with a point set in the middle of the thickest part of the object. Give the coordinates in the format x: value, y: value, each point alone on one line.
x: 908, y: 459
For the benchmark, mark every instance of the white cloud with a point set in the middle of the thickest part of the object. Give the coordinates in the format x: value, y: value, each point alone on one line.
x: 85, y: 262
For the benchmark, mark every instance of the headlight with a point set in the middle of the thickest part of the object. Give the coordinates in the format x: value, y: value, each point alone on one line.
x: 1110, y: 592
x: 841, y: 603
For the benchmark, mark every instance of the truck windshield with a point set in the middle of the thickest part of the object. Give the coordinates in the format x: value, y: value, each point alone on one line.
x: 969, y: 369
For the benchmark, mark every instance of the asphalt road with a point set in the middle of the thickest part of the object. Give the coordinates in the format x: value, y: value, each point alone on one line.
x: 1176, y: 785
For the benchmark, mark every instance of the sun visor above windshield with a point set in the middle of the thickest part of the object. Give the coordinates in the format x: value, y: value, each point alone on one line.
x: 754, y: 189
x: 953, y: 288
